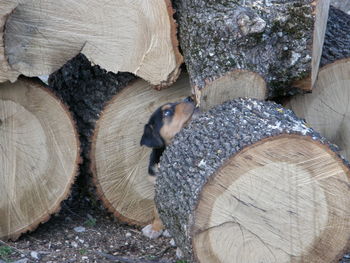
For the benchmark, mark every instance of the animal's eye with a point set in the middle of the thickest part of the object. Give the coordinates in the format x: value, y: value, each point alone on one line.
x: 167, y: 112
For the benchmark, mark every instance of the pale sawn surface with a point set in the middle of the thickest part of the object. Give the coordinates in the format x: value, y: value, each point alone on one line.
x: 120, y: 163
x: 277, y: 201
x: 236, y: 84
x: 131, y: 36
x: 203, y: 149
x: 6, y: 72
x: 39, y: 155
x: 327, y: 108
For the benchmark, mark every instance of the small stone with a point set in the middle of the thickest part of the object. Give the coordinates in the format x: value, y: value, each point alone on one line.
x: 84, y: 258
x: 34, y: 254
x: 179, y: 253
x: 79, y: 229
x: 166, y: 233
x: 74, y: 244
x: 81, y: 241
x: 128, y: 234
x: 172, y: 243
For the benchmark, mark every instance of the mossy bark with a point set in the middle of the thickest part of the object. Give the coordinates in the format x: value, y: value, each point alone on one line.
x: 273, y: 40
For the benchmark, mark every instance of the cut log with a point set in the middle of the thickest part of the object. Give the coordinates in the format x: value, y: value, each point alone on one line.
x: 39, y: 156
x: 119, y: 164
x: 327, y: 108
x: 236, y: 84
x: 337, y: 40
x: 132, y: 36
x: 282, y: 42
x: 250, y: 182
x: 6, y: 73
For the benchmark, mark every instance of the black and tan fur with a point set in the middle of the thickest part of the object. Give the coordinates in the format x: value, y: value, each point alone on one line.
x: 161, y: 128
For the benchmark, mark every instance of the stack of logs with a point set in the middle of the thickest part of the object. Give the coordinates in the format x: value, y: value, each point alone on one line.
x: 248, y: 181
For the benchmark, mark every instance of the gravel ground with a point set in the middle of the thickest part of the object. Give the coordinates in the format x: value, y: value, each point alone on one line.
x: 84, y: 232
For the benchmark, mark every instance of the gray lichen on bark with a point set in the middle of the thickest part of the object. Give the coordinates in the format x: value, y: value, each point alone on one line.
x: 200, y: 149
x: 337, y: 40
x: 272, y: 38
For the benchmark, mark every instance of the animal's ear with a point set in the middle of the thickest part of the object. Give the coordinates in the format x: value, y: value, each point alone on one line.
x: 151, y: 138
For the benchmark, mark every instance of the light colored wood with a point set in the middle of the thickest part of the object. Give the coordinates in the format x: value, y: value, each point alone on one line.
x: 133, y: 36
x: 39, y: 156
x: 6, y: 73
x: 280, y: 200
x: 327, y: 108
x: 119, y: 163
x: 321, y: 12
x: 322, y: 9
x: 235, y: 84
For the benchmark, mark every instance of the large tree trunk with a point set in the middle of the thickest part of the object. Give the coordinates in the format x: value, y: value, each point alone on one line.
x: 279, y: 40
x: 131, y: 36
x: 39, y: 156
x: 119, y: 164
x: 250, y: 182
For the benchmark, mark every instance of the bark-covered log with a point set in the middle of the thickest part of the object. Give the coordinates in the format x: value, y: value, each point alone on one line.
x: 343, y: 5
x: 120, y: 36
x: 39, y: 156
x: 86, y: 89
x: 280, y: 40
x: 337, y: 40
x: 327, y: 108
x: 119, y: 164
x: 249, y: 182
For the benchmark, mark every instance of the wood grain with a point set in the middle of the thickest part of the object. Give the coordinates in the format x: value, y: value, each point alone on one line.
x: 119, y: 163
x: 39, y: 156
x: 132, y: 36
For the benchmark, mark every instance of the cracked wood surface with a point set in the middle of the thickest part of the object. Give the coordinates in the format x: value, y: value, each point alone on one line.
x: 248, y: 181
x: 129, y: 36
x: 327, y: 108
x: 39, y: 156
x: 119, y: 163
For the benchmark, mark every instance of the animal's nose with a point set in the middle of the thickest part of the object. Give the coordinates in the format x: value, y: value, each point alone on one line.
x: 188, y: 99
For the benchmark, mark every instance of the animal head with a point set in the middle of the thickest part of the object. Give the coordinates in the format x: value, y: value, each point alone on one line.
x: 165, y: 122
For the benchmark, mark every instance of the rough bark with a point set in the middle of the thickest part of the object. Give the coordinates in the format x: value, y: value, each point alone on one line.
x: 337, y: 40
x: 120, y: 36
x: 271, y: 38
x: 86, y: 89
x: 203, y: 149
x: 39, y: 156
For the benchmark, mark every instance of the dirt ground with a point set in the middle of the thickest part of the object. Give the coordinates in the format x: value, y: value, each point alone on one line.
x: 84, y: 232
